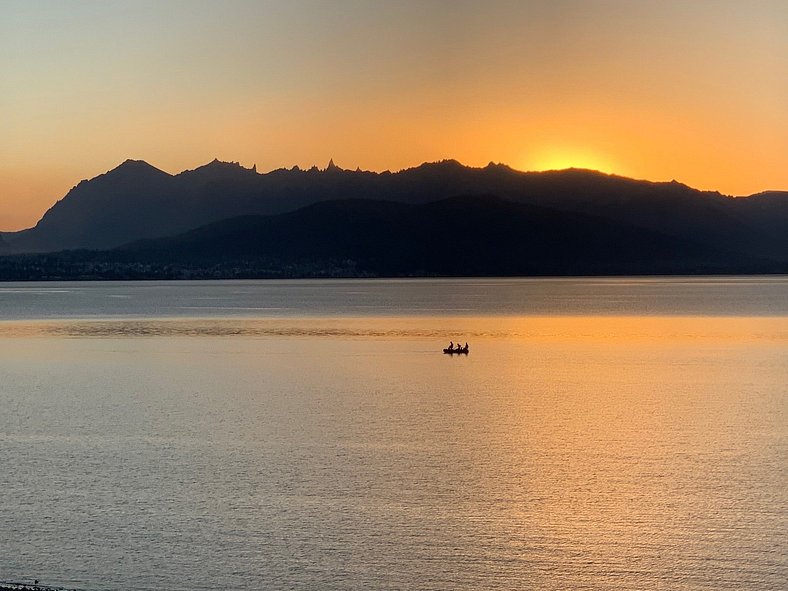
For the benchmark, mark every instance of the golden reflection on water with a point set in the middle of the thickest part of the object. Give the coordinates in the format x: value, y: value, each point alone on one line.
x: 563, y: 453
x: 634, y: 329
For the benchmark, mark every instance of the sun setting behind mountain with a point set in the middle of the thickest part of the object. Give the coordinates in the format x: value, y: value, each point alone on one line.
x: 562, y: 158
x: 422, y: 295
x: 693, y: 91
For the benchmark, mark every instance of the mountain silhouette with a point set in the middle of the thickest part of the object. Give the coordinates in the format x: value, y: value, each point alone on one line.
x: 461, y: 236
x: 473, y: 235
x: 137, y: 201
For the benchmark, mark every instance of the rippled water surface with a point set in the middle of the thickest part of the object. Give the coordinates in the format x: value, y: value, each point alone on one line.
x: 602, y: 434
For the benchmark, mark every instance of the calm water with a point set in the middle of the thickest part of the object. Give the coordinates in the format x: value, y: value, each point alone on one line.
x: 602, y: 434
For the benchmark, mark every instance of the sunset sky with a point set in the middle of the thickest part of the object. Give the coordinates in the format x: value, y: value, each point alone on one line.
x: 661, y: 90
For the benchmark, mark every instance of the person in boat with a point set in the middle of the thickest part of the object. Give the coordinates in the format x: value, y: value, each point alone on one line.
x: 465, y: 348
x: 451, y: 345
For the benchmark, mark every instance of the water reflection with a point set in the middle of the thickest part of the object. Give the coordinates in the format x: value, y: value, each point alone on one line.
x: 554, y: 328
x: 632, y: 296
x: 582, y: 453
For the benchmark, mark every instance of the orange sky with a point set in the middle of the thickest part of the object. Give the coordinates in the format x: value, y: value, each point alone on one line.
x: 696, y: 91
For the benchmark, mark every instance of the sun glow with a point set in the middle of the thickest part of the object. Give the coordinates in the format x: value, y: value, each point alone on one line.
x: 562, y: 158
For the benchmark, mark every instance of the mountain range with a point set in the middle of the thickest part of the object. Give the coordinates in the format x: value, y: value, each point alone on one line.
x: 439, y: 218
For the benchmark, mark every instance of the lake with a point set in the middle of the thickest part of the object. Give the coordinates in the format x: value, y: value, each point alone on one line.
x: 602, y: 434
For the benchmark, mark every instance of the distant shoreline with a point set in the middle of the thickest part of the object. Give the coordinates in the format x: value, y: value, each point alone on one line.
x: 123, y: 278
x: 8, y: 586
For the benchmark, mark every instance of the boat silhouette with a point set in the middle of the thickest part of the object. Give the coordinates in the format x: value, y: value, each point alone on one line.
x: 456, y: 351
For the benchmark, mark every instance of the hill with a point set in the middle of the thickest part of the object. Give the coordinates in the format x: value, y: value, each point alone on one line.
x: 462, y: 236
x: 137, y: 201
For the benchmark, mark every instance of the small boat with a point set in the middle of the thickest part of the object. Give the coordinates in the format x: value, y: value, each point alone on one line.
x: 457, y: 351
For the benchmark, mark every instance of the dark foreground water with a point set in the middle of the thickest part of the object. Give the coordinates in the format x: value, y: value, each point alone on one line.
x: 602, y: 434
